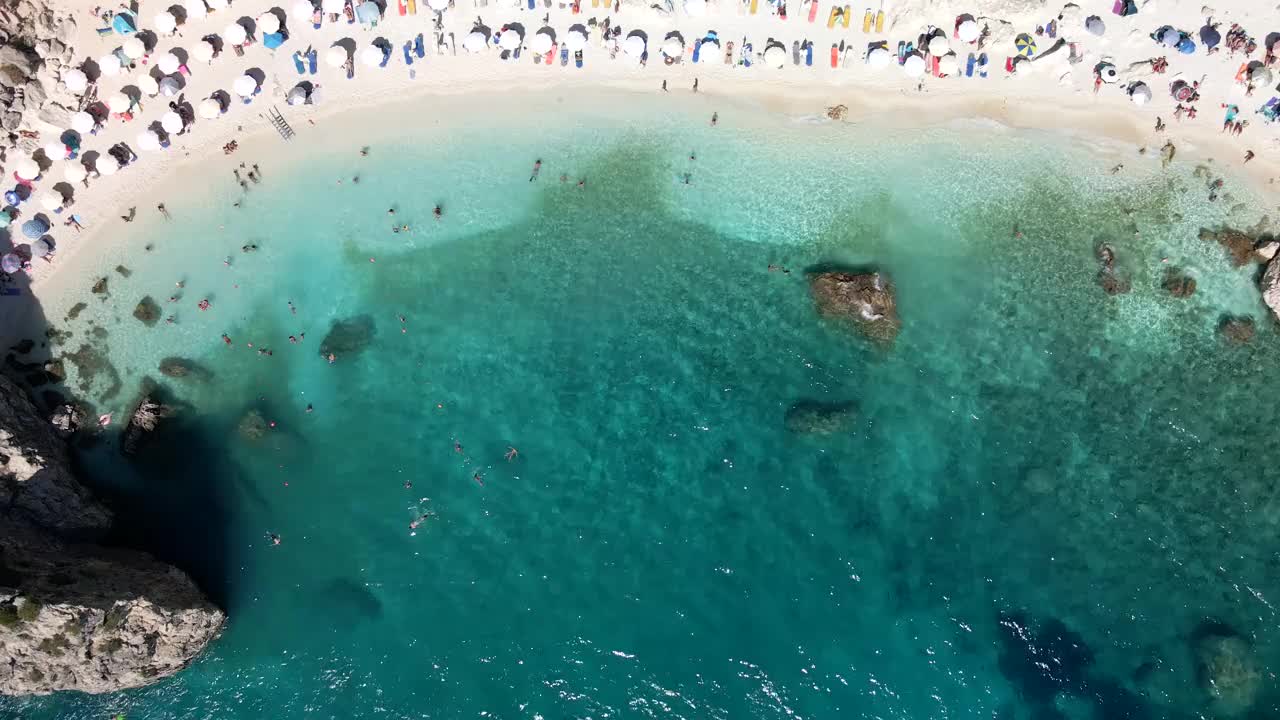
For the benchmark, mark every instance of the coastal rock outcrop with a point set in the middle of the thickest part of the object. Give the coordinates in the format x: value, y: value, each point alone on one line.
x: 1229, y: 672
x: 814, y: 417
x: 348, y: 337
x: 1113, y: 281
x: 1238, y: 244
x: 75, y: 617
x: 1270, y: 287
x: 146, y: 417
x: 864, y: 299
x: 1178, y: 283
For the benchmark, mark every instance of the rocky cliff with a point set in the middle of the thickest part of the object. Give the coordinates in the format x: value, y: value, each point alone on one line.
x: 75, y: 616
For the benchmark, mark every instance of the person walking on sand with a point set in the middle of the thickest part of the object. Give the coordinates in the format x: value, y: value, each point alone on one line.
x: 695, y: 84
x: 1248, y: 155
x: 664, y: 86
x: 133, y: 212
x: 163, y: 211
x: 715, y: 118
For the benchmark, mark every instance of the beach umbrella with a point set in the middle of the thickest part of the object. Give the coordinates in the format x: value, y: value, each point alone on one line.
x: 510, y: 40
x: 202, y: 51
x: 1108, y: 73
x: 35, y: 228
x: 27, y: 169
x: 1025, y: 44
x: 235, y: 34
x: 913, y: 66
x: 195, y: 9
x: 75, y: 80
x: 541, y: 43
x: 107, y: 165
x: 335, y: 56
x: 119, y: 103
x: 297, y: 96
x: 1140, y: 94
x: 634, y: 47
x: 438, y: 5
x: 948, y: 64
x: 333, y: 7
x: 210, y: 108
x: 82, y: 122
x: 879, y: 58
x: 171, y: 122
x: 372, y: 55
x: 168, y: 63
x: 146, y: 84
x: 474, y: 42
x: 967, y: 31
x: 368, y: 12
x: 51, y: 200
x: 55, y: 150
x: 1260, y: 76
x: 165, y: 22
x: 148, y: 140
x: 169, y: 87
x: 672, y: 48
x: 1186, y: 46
x: 775, y: 56
x: 1095, y: 25
x: 271, y: 41
x: 10, y: 263
x: 575, y: 40
x: 109, y: 65
x: 74, y: 172
x: 695, y: 8
x: 304, y: 9
x: 216, y: 4
x: 938, y: 46
x: 1170, y: 37
x: 245, y: 86
x: 1210, y: 37
x: 41, y: 247
x: 268, y: 22
x: 133, y: 48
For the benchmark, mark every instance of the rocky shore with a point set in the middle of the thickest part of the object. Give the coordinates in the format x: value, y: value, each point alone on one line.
x: 73, y: 615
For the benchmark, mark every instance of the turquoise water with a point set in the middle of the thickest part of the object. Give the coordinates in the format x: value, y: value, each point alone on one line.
x: 662, y: 546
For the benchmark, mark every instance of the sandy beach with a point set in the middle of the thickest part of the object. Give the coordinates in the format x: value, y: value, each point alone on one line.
x: 1047, y: 92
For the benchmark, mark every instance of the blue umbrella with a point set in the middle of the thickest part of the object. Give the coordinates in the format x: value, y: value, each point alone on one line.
x: 368, y: 12
x: 273, y: 40
x: 11, y: 197
x: 1210, y: 36
x: 5, y: 218
x: 1186, y: 46
x: 10, y: 263
x: 123, y: 23
x: 35, y: 228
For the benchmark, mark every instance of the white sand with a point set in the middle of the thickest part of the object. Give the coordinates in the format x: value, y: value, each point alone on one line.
x: 1048, y: 93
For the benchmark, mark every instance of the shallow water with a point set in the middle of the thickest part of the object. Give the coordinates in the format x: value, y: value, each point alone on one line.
x: 662, y: 545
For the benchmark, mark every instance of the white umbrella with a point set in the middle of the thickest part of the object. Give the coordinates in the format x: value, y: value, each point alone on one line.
x: 672, y: 48
x: 879, y: 58
x: 119, y: 103
x: 202, y: 51
x: 914, y: 66
x: 297, y: 96
x: 304, y: 9
x: 74, y: 172
x: 1259, y: 75
x: 165, y: 22
x: 541, y: 43
x: 55, y: 150
x: 146, y: 84
x: 938, y: 46
x: 210, y: 108
x: 109, y: 65
x: 51, y: 200
x: 195, y: 9
x: 133, y: 48
x: 168, y: 63
x: 695, y: 8
x: 245, y: 85
x: 634, y: 46
x: 968, y: 31
x: 216, y: 4
x: 107, y: 164
x: 148, y: 140
x: 171, y: 122
x: 75, y: 80
x: 775, y: 56
x: 1108, y: 73
x: 1171, y: 37
x: 1095, y: 25
x: 268, y: 23
x: 27, y: 169
x: 1140, y: 94
x: 474, y: 42
x: 41, y: 247
x: 575, y: 40
x: 82, y: 122
x: 438, y: 5
x: 510, y: 40
x: 948, y: 64
x: 169, y: 87
x: 335, y: 56
x: 372, y: 55
x: 235, y: 34
x: 333, y: 6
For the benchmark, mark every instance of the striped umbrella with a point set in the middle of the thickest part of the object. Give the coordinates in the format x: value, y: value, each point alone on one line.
x: 1026, y: 45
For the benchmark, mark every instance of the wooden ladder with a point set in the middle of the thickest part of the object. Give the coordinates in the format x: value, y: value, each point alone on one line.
x: 280, y: 124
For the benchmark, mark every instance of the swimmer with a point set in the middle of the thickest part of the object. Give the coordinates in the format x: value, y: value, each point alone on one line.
x: 227, y: 261
x: 364, y: 151
x: 408, y: 484
x: 292, y: 310
x: 564, y: 178
x: 457, y: 446
x: 173, y: 298
x: 204, y: 304
x: 293, y: 339
x: 479, y: 479
x: 715, y: 118
x: 404, y: 228
x: 332, y: 358
x: 309, y: 408
x: 169, y: 320
x: 582, y: 184
x: 511, y: 453
x: 355, y: 179
x: 274, y: 538
x: 438, y: 212
x: 391, y: 211
x: 226, y: 339
x: 537, y: 167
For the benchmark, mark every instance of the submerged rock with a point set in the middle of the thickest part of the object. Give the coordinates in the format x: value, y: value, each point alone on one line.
x: 1113, y: 282
x: 252, y: 426
x: 814, y: 417
x: 1237, y: 329
x: 1178, y: 283
x: 182, y: 368
x: 1229, y: 672
x: 145, y: 418
x: 864, y: 299
x: 1238, y: 244
x: 99, y: 287
x: 67, y: 419
x: 76, y: 309
x: 148, y: 311
x: 348, y: 337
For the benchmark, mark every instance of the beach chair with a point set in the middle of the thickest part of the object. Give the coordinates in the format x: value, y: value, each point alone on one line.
x: 419, y: 48
x: 408, y: 55
x: 697, y: 50
x: 813, y: 10
x: 297, y: 62
x: 577, y: 59
x: 867, y: 19
x: 312, y: 56
x: 833, y: 17
x: 848, y: 13
x: 982, y: 65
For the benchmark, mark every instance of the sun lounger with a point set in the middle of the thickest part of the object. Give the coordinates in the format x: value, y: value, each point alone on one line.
x: 835, y: 55
x: 402, y: 8
x: 982, y: 65
x: 386, y: 57
x: 755, y: 4
x: 808, y: 54
x: 317, y: 18
x: 418, y: 48
x: 297, y: 62
x: 551, y: 54
x: 848, y: 13
x: 697, y: 50
x: 312, y: 56
x: 413, y: 7
x: 880, y: 19
x: 408, y: 55
x: 795, y: 52
x: 564, y: 56
x: 867, y: 19
x: 833, y: 17
x: 746, y: 53
x: 968, y: 68
x: 813, y: 10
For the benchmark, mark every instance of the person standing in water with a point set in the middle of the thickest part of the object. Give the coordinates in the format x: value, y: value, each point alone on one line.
x: 537, y: 167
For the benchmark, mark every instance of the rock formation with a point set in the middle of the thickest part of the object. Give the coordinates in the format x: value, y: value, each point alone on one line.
x: 1236, y: 330
x: 252, y: 426
x: 348, y: 337
x: 146, y: 417
x: 1178, y: 283
x: 864, y: 299
x: 184, y: 369
x: 147, y: 311
x: 74, y: 616
x: 1239, y: 245
x: 36, y: 52
x: 1270, y: 287
x: 1113, y: 282
x: 813, y: 417
x: 1229, y: 672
